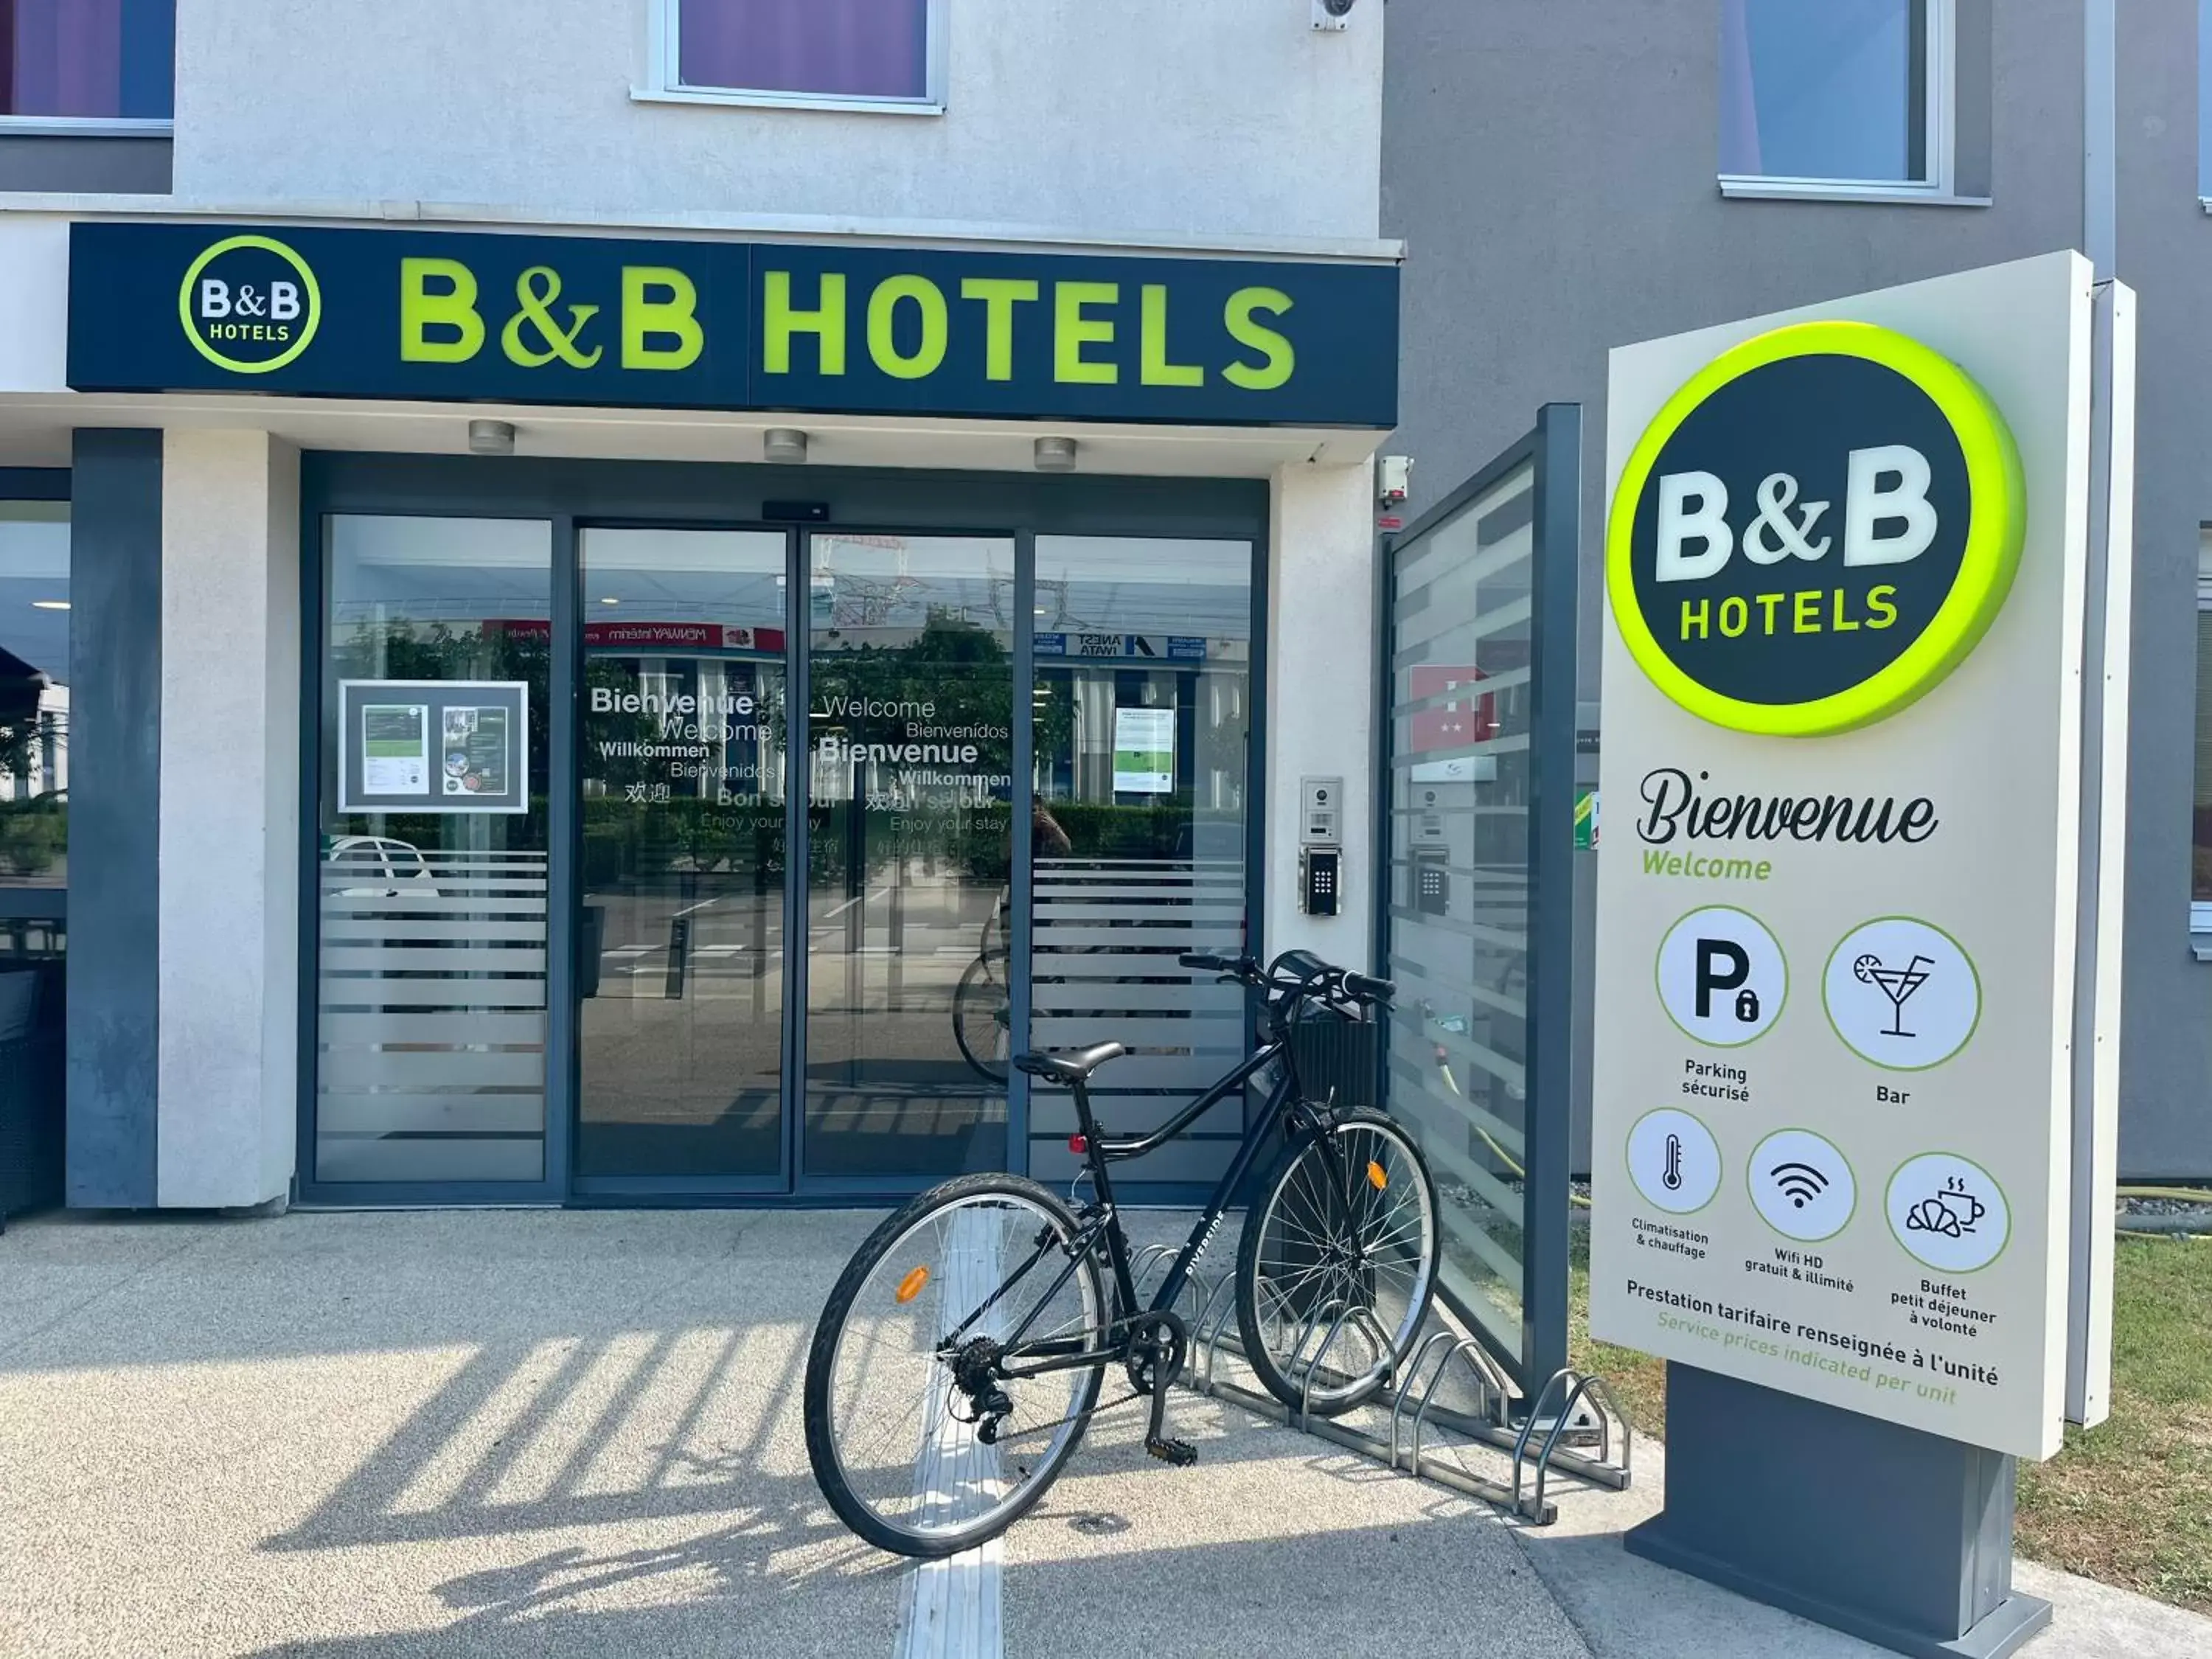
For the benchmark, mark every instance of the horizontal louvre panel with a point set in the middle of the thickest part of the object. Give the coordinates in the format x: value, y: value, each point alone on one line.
x: 1101, y: 930
x: 1123, y: 965
x: 360, y: 885
x: 430, y: 959
x: 1105, y: 999
x: 434, y: 1031
x: 395, y: 1113
x: 432, y: 1063
x: 399, y: 998
x: 402, y: 907
x: 490, y: 930
x: 342, y: 1158
x: 1133, y: 938
x: 1075, y: 1031
x: 437, y: 1069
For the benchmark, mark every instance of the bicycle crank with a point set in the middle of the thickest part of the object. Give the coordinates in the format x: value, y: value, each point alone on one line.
x: 1157, y: 1347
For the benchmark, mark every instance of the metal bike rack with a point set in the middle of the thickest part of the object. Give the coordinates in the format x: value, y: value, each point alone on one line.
x: 1579, y: 1387
x: 1408, y: 1392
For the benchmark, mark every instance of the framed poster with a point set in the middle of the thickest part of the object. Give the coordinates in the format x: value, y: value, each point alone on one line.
x: 1144, y: 751
x: 434, y: 746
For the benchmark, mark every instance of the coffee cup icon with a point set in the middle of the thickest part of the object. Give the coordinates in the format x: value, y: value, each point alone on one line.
x: 1954, y: 1212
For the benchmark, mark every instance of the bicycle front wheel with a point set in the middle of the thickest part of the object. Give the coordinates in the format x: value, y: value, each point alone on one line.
x: 893, y: 1435
x: 1337, y: 1264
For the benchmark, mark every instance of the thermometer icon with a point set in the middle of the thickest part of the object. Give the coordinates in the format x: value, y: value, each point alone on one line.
x: 1673, y: 1176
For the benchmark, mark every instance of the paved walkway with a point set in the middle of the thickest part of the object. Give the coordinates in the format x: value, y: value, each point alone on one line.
x: 553, y: 1434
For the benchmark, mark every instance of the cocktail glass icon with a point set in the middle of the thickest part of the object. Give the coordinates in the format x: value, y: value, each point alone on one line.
x: 1898, y: 984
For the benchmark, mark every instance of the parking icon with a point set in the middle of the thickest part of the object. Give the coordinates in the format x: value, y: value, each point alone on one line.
x: 1721, y: 976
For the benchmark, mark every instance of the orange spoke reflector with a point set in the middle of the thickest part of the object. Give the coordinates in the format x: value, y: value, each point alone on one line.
x: 910, y: 1286
x: 1375, y: 1178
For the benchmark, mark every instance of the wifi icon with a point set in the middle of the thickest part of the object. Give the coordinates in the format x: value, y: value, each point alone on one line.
x: 1800, y: 1183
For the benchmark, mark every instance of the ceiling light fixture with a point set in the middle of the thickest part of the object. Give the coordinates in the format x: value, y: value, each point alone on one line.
x: 784, y: 445
x: 1055, y: 454
x: 491, y: 437
x: 49, y: 604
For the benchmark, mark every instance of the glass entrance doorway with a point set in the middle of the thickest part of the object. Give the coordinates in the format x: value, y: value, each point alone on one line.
x: 689, y: 806
x: 659, y: 851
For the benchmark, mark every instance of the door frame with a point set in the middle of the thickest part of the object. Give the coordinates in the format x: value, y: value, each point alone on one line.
x: 570, y: 494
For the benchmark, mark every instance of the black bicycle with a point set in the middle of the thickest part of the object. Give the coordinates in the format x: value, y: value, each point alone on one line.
x: 962, y: 1351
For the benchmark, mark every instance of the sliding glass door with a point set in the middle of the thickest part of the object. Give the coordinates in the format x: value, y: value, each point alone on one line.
x: 683, y: 776
x: 911, y: 727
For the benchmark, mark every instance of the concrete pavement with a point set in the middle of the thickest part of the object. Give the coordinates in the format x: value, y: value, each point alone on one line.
x: 529, y: 1433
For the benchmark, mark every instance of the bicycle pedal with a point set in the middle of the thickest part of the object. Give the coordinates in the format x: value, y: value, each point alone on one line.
x: 1181, y: 1453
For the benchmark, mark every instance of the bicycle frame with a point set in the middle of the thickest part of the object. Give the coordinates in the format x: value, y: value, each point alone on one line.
x: 1102, y: 1219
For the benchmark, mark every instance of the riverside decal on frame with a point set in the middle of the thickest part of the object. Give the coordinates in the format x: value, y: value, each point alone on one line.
x: 619, y: 322
x: 434, y: 746
x: 1836, y: 936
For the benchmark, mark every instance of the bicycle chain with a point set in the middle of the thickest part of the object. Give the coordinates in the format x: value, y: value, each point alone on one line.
x: 1073, y: 1417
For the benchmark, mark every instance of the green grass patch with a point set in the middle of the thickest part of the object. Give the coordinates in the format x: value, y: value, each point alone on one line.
x: 2128, y: 1503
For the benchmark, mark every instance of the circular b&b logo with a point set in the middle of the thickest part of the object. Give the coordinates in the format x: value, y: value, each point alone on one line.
x: 1814, y: 531
x: 250, y: 304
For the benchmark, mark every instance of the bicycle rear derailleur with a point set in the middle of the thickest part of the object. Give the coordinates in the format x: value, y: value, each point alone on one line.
x: 1158, y: 1343
x: 975, y: 1375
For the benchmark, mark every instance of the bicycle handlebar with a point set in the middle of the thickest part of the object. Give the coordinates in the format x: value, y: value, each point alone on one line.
x: 1367, y: 988
x: 1296, y: 973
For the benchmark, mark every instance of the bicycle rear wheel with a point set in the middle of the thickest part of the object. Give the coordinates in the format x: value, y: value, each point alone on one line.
x: 982, y: 1019
x: 892, y: 1437
x: 1337, y: 1264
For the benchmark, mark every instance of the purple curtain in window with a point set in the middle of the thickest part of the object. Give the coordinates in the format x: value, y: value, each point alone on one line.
x: 849, y: 48
x: 61, y: 57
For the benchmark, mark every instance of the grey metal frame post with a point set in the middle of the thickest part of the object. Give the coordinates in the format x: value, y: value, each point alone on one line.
x: 1556, y: 561
x: 1553, y: 449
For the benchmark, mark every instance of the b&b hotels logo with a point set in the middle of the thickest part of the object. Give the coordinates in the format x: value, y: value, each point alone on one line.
x: 250, y: 304
x: 1814, y: 531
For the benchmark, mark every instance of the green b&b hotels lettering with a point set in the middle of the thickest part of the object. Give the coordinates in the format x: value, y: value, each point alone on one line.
x: 442, y: 319
x: 913, y: 328
x: 1078, y: 331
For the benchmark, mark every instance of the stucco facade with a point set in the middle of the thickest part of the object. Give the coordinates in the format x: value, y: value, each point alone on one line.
x: 1553, y: 171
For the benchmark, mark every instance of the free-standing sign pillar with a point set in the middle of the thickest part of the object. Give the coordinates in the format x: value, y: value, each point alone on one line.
x: 1838, y: 922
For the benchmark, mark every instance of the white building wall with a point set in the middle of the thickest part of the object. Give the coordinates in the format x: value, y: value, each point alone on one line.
x: 229, y: 806
x: 1321, y: 695
x: 1225, y: 118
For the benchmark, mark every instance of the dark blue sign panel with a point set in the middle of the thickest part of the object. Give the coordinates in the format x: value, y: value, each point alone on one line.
x: 416, y: 314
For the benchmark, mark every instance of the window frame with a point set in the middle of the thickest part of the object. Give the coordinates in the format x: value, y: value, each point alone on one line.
x: 106, y: 126
x: 2200, y: 910
x: 1939, y: 115
x: 664, y: 83
x: 48, y: 486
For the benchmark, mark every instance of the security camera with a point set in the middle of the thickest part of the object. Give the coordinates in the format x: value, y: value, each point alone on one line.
x: 1332, y: 14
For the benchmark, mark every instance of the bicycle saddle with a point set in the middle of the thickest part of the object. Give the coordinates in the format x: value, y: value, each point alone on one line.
x: 1071, y: 1066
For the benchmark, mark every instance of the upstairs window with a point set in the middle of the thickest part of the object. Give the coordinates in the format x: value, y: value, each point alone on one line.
x: 838, y: 52
x: 1837, y: 94
x: 87, y: 61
